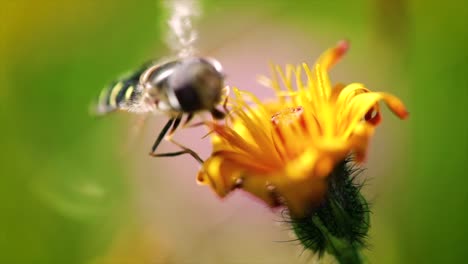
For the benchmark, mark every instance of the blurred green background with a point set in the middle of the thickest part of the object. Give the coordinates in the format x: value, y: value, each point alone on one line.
x: 69, y: 194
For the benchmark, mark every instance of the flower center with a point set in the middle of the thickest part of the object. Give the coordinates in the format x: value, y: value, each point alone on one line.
x: 288, y: 115
x: 288, y: 124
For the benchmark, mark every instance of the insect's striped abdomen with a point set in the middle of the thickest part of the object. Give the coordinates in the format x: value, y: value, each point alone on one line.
x: 120, y: 95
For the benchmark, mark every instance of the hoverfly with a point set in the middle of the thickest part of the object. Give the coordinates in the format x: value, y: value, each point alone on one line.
x: 183, y: 86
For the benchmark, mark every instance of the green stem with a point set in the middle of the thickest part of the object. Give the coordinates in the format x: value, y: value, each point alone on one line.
x: 342, y: 250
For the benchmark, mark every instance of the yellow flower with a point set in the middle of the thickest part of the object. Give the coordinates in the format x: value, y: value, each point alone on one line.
x: 282, y: 151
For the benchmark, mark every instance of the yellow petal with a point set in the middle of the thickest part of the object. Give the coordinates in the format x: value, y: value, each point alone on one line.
x: 360, y: 140
x: 330, y: 57
x: 362, y: 103
x: 283, y: 156
x: 220, y: 174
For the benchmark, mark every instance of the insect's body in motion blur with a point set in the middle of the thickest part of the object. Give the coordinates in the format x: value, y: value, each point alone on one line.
x: 176, y: 88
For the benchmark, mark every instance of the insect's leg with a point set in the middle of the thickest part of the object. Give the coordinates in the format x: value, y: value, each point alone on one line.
x: 175, y: 125
x: 225, y: 102
x: 226, y: 91
x: 174, y: 122
x: 185, y: 150
x: 188, y: 119
x: 225, y: 108
x: 161, y: 135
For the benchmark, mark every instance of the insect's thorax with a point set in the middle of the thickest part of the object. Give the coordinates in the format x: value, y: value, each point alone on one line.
x: 188, y: 85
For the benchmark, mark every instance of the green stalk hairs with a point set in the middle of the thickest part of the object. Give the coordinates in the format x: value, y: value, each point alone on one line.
x: 340, y: 224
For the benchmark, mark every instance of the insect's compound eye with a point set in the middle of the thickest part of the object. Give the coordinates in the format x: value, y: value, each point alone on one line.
x: 197, y: 84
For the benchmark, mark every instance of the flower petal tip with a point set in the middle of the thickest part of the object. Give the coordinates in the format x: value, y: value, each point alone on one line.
x: 404, y: 114
x: 401, y: 112
x: 342, y: 46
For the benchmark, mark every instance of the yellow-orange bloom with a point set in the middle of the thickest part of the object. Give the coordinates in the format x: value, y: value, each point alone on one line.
x: 281, y: 151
